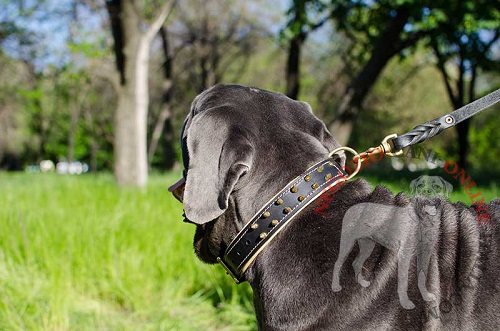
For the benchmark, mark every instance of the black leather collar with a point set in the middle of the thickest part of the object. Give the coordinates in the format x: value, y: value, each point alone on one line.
x: 277, y: 213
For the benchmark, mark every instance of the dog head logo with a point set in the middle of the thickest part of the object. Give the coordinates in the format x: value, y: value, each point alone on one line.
x: 430, y: 186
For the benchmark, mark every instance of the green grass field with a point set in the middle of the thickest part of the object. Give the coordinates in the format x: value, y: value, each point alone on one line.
x: 77, y: 253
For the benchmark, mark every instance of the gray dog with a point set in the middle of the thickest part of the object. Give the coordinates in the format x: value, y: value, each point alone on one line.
x: 242, y: 145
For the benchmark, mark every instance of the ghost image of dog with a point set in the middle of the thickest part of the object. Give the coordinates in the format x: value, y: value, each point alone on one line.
x: 430, y: 186
x: 393, y: 230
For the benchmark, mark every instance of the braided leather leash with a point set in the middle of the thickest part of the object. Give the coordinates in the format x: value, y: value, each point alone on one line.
x: 393, y: 144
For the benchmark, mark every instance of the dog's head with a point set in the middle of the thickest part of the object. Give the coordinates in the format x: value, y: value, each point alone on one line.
x: 240, y: 146
x: 430, y: 186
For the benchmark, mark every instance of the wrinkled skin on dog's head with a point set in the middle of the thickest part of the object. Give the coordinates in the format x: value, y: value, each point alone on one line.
x: 239, y: 142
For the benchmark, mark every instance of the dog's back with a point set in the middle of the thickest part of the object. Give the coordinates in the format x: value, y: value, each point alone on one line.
x: 292, y: 278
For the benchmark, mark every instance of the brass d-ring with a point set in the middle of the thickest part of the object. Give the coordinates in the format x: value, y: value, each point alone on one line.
x: 352, y: 151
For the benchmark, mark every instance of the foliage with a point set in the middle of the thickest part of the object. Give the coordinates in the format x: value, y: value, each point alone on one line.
x: 485, y: 140
x: 230, y: 42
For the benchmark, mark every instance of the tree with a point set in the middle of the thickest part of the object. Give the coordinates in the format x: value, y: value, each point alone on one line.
x: 15, y: 75
x: 163, y: 124
x: 380, y: 30
x: 462, y: 44
x: 297, y: 30
x: 132, y: 47
x: 218, y: 37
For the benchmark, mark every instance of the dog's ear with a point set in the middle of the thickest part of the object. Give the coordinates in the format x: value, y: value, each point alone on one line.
x: 330, y: 144
x: 218, y: 157
x: 413, y: 185
x: 447, y: 186
x: 325, y: 137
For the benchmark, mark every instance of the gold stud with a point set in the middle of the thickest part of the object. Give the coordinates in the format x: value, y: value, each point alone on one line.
x: 315, y: 186
x: 328, y: 176
x: 330, y: 163
x: 301, y: 198
x: 321, y: 168
x: 287, y: 210
x: 263, y: 235
x: 307, y: 178
x: 279, y: 201
x: 254, y: 226
x: 274, y: 222
x: 266, y: 214
x: 294, y: 189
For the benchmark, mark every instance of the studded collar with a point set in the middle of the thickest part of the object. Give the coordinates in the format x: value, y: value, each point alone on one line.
x: 277, y: 213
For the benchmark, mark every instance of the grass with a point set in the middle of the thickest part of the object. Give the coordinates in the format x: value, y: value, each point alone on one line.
x: 77, y: 253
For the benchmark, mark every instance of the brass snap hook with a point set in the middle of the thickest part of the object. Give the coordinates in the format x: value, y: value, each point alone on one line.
x: 387, y: 147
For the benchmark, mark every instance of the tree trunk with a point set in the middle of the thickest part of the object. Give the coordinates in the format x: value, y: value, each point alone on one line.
x: 130, y: 116
x: 294, y: 51
x: 293, y: 67
x: 463, y: 127
x: 75, y: 114
x: 168, y: 144
x: 388, y: 45
x: 131, y: 166
x: 93, y: 145
x: 463, y: 142
x: 457, y: 99
x: 163, y: 127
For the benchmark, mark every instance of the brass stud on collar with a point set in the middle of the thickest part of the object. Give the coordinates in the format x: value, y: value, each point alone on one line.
x: 287, y: 210
x: 320, y: 169
x: 294, y: 189
x: 266, y: 214
x: 263, y: 235
x: 274, y: 222
x: 314, y: 186
x: 307, y: 178
x: 279, y: 201
x: 328, y: 176
x: 254, y: 226
x: 301, y: 198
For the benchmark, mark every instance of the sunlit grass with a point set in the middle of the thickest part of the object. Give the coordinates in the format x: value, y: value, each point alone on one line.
x: 77, y: 253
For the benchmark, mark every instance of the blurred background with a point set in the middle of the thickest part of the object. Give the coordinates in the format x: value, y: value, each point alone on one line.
x: 82, y: 79
x: 102, y: 87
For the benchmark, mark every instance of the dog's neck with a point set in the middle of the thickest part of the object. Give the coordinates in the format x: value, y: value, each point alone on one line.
x: 252, y: 196
x: 291, y: 257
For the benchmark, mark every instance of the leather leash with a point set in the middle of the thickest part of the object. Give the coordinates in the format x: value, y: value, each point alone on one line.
x: 431, y: 128
x: 393, y: 145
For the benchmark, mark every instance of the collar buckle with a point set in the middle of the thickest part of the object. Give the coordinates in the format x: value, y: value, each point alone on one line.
x: 228, y: 270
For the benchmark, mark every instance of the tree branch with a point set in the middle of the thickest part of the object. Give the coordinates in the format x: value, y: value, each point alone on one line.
x: 442, y: 69
x: 165, y: 11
